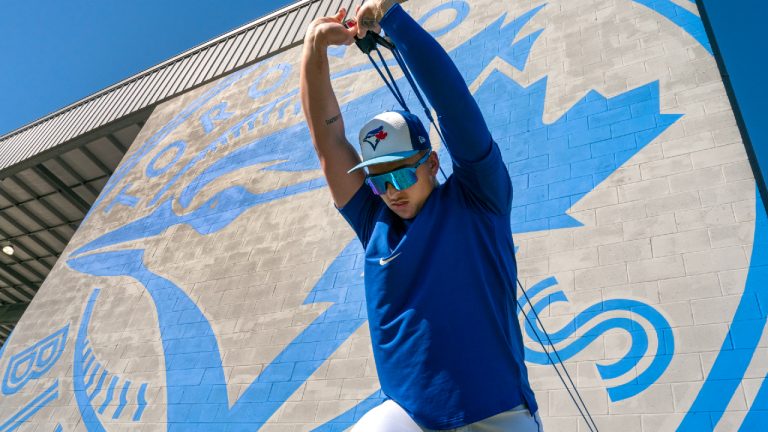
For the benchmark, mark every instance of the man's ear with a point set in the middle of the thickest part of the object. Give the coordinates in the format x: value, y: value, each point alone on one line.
x: 434, y: 163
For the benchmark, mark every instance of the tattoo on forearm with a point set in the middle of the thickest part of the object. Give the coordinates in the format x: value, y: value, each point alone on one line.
x: 333, y: 119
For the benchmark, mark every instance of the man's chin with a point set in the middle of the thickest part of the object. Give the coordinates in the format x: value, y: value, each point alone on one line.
x: 405, y: 212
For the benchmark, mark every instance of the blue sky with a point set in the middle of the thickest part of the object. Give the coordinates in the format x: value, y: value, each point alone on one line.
x: 57, y: 52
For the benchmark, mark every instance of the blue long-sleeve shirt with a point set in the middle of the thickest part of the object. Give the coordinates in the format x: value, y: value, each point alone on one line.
x: 441, y: 293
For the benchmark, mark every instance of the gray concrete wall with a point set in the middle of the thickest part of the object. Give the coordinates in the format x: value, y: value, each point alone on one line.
x: 214, y: 286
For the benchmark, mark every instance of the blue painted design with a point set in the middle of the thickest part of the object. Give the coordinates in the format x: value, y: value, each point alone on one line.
x: 391, y: 63
x: 757, y: 417
x: 123, y: 198
x: 279, y: 105
x: 638, y: 347
x: 291, y: 154
x: 686, y: 20
x: 337, y: 51
x: 123, y: 400
x: 540, y: 286
x: 213, y: 215
x: 88, y: 352
x: 92, y: 376
x: 30, y: 409
x: 110, y: 394
x: 127, y: 165
x: 460, y: 7
x: 142, y: 402
x: 179, y: 146
x: 516, y: 53
x: 352, y: 415
x: 86, y: 391
x: 97, y: 390
x: 34, y: 361
x: 58, y: 428
x: 248, y: 122
x: 742, y: 339
x: 555, y: 165
x: 91, y: 360
x: 255, y: 92
x: 192, y: 357
x: 90, y: 419
x: 216, y: 114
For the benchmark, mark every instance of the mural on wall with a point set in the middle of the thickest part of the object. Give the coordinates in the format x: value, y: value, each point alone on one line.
x: 553, y: 164
x: 30, y: 364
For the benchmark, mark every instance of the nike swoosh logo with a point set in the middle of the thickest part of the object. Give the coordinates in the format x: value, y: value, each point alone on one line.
x: 383, y: 261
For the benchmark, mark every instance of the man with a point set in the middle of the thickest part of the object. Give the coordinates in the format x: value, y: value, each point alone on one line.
x: 440, y: 270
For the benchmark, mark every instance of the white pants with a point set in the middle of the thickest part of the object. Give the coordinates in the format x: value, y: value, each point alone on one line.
x: 390, y: 417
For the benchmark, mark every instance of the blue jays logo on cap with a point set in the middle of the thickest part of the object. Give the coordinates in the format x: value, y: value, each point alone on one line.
x: 391, y: 136
x: 375, y: 136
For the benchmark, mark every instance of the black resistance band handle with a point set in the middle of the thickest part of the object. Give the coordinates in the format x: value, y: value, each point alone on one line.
x: 368, y: 42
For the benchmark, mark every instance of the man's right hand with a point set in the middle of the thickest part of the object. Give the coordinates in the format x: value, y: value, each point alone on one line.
x: 370, y: 13
x: 326, y: 31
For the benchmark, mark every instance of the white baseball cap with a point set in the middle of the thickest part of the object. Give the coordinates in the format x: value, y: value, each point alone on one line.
x: 391, y: 136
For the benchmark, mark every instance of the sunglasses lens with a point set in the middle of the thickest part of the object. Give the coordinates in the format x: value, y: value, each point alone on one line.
x: 400, y: 179
x: 404, y: 178
x: 377, y: 186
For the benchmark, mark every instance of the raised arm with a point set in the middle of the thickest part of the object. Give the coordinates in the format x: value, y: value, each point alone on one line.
x: 467, y: 134
x: 321, y: 108
x: 477, y: 160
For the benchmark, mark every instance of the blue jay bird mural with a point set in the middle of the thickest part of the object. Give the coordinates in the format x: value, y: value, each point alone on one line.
x: 554, y: 165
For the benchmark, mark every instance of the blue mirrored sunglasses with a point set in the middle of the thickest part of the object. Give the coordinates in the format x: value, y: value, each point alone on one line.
x: 401, y: 178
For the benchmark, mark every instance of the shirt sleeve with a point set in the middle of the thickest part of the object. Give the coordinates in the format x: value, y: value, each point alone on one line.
x: 361, y: 212
x: 478, y: 165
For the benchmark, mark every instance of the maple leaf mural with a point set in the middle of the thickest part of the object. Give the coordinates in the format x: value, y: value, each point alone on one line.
x: 553, y: 166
